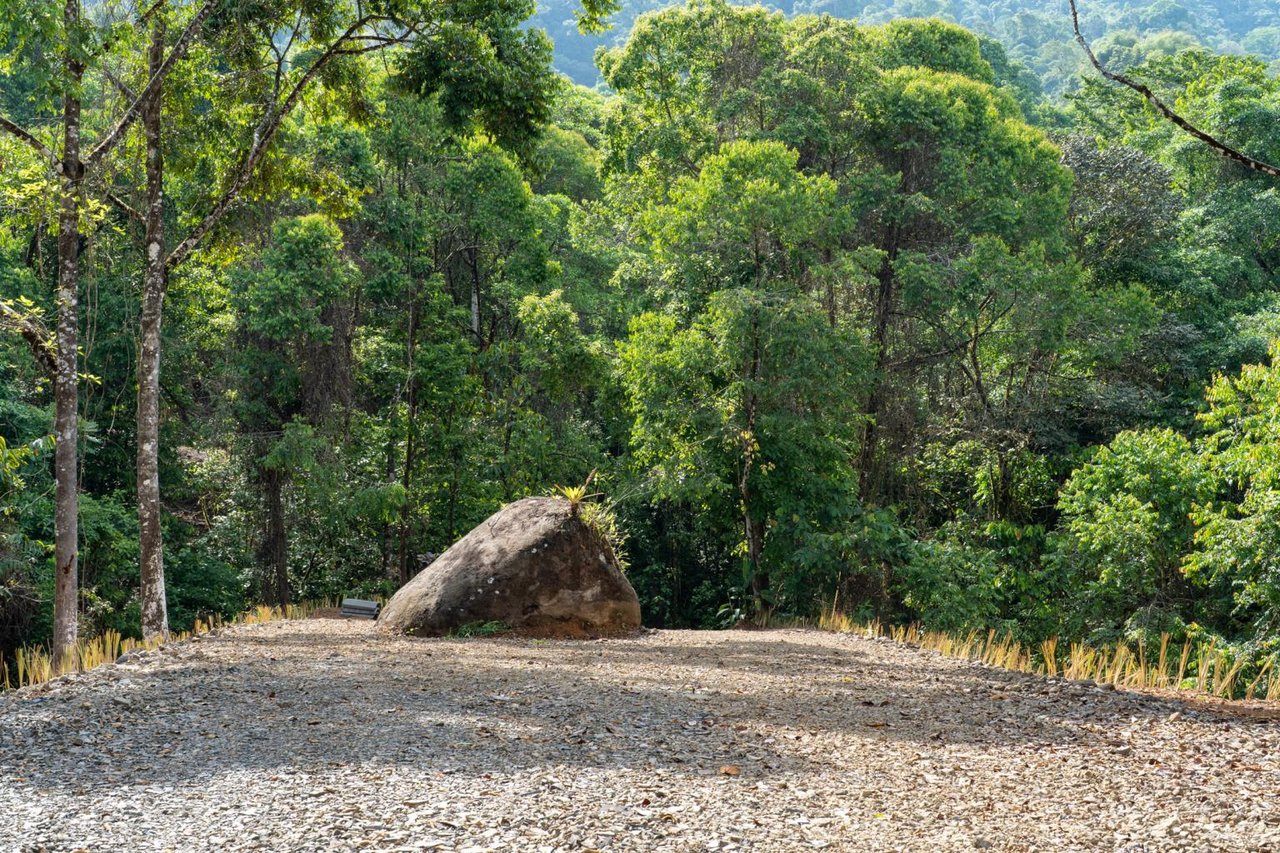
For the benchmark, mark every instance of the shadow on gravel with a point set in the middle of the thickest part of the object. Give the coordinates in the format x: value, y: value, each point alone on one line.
x: 515, y: 704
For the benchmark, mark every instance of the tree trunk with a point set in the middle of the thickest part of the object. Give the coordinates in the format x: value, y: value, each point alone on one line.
x: 274, y: 554
x: 475, y: 299
x: 66, y: 383
x: 886, y: 299
x: 752, y: 527
x: 410, y: 439
x: 155, y: 618
x: 389, y: 571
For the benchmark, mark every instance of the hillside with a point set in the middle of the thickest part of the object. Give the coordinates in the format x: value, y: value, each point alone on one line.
x: 1036, y: 34
x: 323, y: 735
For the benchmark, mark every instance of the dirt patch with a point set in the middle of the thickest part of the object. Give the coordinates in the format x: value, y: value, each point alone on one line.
x: 325, y: 734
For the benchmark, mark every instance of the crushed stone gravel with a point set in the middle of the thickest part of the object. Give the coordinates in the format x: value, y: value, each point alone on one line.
x: 325, y: 735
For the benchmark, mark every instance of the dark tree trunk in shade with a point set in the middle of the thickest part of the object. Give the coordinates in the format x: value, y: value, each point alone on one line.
x: 410, y: 439
x: 273, y: 554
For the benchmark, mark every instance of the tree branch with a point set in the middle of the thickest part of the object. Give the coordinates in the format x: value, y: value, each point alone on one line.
x: 43, y: 150
x: 130, y: 211
x: 34, y: 333
x: 370, y: 48
x: 124, y: 87
x: 263, y: 135
x: 1160, y: 107
x: 146, y: 16
x: 153, y: 85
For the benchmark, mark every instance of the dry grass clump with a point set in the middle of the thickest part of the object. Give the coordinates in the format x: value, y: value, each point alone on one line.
x: 1201, y: 667
x: 34, y: 664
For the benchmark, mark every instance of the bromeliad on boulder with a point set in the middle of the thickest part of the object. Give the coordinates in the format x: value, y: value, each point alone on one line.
x: 534, y: 566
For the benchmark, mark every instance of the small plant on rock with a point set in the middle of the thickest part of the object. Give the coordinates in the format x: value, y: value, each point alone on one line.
x: 600, y: 517
x: 575, y: 495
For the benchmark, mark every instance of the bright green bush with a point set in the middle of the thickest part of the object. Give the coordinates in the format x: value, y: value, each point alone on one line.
x: 1238, y: 534
x: 1127, y: 526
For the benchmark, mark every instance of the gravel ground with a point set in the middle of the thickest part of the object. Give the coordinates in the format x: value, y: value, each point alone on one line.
x: 324, y: 735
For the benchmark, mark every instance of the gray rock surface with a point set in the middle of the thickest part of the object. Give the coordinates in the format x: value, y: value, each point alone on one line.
x: 535, y: 566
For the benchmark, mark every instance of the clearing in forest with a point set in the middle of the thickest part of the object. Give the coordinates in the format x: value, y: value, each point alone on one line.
x: 326, y: 735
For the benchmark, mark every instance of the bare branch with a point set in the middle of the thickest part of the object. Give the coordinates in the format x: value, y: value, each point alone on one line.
x: 379, y: 41
x: 1160, y: 107
x: 130, y: 211
x: 34, y: 333
x: 293, y: 33
x: 124, y: 88
x: 45, y: 152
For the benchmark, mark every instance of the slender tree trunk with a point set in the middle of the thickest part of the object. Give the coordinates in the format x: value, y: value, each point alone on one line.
x: 454, y: 490
x: 753, y: 527
x: 475, y: 299
x: 66, y: 384
x: 388, y: 529
x: 410, y: 439
x: 753, y: 532
x: 885, y: 302
x: 155, y: 618
x: 759, y: 577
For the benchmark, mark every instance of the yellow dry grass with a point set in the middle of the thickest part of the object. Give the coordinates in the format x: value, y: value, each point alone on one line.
x: 1217, y: 671
x: 34, y: 665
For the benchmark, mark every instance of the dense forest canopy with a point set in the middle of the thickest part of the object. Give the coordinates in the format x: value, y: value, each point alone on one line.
x: 1037, y: 35
x: 840, y: 314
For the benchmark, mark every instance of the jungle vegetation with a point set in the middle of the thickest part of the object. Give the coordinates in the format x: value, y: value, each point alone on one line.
x: 879, y: 315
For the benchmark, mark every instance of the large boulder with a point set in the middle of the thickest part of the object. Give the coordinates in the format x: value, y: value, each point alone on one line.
x: 535, y: 566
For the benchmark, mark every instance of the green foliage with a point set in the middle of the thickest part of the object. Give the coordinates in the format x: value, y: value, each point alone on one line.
x: 1238, y: 534
x: 21, y: 555
x: 715, y: 422
x: 931, y: 44
x: 478, y: 629
x: 1037, y: 36
x: 950, y: 586
x: 202, y: 585
x: 568, y: 165
x: 823, y: 305
x: 487, y: 71
x: 603, y: 519
x: 1127, y: 524
x: 109, y: 566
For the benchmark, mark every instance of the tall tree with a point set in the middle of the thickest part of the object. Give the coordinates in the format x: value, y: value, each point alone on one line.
x: 756, y: 397
x: 292, y: 366
x: 155, y: 610
x: 33, y: 29
x: 476, y: 58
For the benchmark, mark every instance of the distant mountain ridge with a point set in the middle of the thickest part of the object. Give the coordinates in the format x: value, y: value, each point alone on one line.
x: 1036, y: 33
